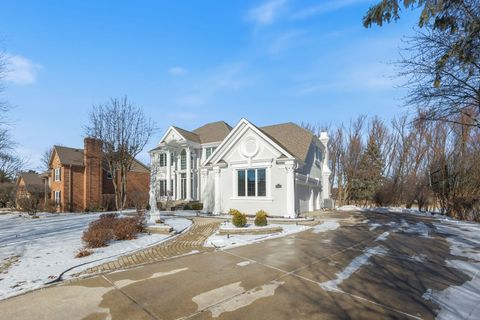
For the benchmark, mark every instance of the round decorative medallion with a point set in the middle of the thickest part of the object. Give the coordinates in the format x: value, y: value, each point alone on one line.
x: 250, y: 147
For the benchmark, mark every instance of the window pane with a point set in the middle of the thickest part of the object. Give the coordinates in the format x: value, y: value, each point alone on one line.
x: 183, y: 160
x: 241, y: 183
x: 208, y: 152
x: 261, y: 182
x: 251, y: 182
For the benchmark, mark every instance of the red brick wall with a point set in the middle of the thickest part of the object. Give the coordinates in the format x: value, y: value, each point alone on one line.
x: 57, y: 185
x: 92, y: 154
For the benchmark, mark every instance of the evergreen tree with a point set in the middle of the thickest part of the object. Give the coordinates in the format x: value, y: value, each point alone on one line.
x: 369, y: 176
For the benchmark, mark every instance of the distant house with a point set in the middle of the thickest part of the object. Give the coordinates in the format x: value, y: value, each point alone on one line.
x: 80, y: 180
x: 282, y: 169
x: 31, y: 185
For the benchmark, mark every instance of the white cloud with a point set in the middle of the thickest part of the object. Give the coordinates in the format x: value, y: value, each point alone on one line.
x: 177, y: 71
x: 267, y: 12
x: 324, y: 7
x: 226, y: 78
x: 285, y: 41
x: 373, y: 77
x: 20, y: 70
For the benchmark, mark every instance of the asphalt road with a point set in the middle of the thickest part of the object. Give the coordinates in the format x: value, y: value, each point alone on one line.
x: 373, y: 269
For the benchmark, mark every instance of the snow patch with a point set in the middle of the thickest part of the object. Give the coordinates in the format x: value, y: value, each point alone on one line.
x: 355, y: 264
x: 383, y: 236
x: 374, y: 226
x: 243, y: 263
x: 126, y: 282
x: 326, y: 226
x: 350, y: 208
x: 246, y: 298
x: 235, y: 240
x: 212, y: 297
x: 460, y: 302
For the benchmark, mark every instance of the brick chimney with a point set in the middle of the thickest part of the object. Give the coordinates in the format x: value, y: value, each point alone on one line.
x: 92, y: 160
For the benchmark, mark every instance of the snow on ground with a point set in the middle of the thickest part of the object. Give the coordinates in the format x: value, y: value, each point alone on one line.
x: 225, y: 241
x: 354, y: 265
x: 326, y: 226
x: 46, y: 247
x: 460, y: 302
x: 350, y: 208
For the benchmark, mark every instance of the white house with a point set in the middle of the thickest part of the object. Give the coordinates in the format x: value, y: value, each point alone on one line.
x: 282, y: 169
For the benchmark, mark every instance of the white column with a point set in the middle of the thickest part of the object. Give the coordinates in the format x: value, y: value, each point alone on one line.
x: 317, y: 200
x: 197, y: 196
x: 311, y: 202
x: 218, y: 203
x: 290, y: 190
x: 325, y: 169
x: 189, y: 174
x: 179, y: 177
x: 169, y: 172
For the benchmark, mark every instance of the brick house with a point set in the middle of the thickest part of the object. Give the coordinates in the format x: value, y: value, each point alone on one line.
x: 31, y: 185
x: 80, y: 180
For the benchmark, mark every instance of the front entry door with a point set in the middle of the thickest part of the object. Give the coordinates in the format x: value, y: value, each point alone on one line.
x: 184, y: 186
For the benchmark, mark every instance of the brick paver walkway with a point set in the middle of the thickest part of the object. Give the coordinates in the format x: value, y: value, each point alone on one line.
x: 185, y: 243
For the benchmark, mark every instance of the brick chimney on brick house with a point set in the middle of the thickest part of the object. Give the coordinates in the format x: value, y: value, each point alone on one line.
x: 92, y: 160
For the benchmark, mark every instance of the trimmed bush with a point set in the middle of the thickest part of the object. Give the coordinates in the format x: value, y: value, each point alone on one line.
x: 125, y: 229
x: 109, y: 227
x: 233, y: 212
x: 261, y: 218
x: 239, y: 219
x: 196, y: 206
x: 95, y: 237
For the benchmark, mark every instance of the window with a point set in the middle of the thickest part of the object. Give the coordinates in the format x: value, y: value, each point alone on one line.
x: 209, y: 151
x: 163, y: 160
x: 241, y: 183
x: 58, y: 172
x: 109, y: 175
x: 261, y: 183
x: 252, y: 183
x: 183, y: 160
x: 163, y: 188
x: 57, y: 197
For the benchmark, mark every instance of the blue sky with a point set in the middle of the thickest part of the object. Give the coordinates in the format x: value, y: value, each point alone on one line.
x: 191, y: 62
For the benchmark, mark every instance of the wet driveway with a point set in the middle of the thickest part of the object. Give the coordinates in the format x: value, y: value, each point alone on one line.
x: 371, y: 266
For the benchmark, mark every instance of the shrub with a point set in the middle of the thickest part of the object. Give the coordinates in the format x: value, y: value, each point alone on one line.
x: 239, y: 219
x: 138, y: 199
x: 125, y: 229
x: 109, y: 227
x: 261, y: 218
x: 83, y: 253
x: 147, y: 207
x: 196, y: 206
x: 28, y: 204
x: 233, y: 212
x: 50, y: 206
x: 95, y: 237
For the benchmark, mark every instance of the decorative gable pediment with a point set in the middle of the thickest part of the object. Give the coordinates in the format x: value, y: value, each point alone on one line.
x: 172, y: 135
x: 247, y: 144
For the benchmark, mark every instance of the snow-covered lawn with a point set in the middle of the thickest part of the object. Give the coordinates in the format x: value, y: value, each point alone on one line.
x: 41, y: 249
x: 230, y: 241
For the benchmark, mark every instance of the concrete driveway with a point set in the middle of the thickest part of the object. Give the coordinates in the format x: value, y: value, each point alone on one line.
x: 371, y: 267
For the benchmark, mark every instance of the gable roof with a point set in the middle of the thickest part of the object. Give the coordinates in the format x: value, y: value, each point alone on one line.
x: 213, y: 132
x: 33, y: 182
x: 292, y: 137
x: 69, y: 156
x: 188, y: 134
x: 74, y: 157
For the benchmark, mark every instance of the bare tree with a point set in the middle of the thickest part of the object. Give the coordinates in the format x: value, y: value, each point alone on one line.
x: 45, y: 159
x: 124, y: 131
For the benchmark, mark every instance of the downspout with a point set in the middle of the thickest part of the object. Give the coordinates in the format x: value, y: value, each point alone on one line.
x: 70, y: 189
